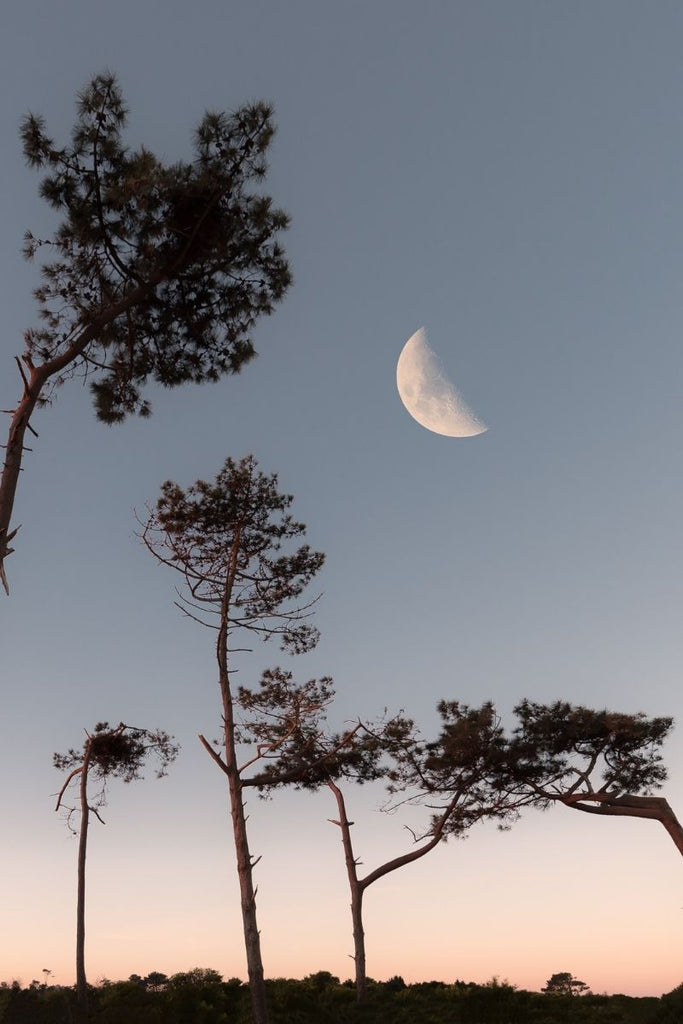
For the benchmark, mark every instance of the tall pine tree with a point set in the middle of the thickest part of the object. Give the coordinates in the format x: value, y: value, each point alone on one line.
x: 234, y: 545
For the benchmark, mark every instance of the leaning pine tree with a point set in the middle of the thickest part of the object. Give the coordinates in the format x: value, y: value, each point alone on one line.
x: 595, y: 761
x: 156, y: 272
x: 233, y: 542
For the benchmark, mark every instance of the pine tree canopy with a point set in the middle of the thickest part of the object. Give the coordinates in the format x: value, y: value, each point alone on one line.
x: 156, y: 272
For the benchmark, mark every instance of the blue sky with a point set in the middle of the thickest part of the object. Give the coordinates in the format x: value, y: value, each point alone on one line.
x: 509, y: 176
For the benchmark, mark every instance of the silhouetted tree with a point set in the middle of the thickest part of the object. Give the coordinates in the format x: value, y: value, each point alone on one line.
x: 565, y: 984
x: 599, y: 762
x: 456, y: 776
x: 232, y: 543
x: 155, y: 981
x: 671, y: 1009
x: 107, y: 752
x: 159, y: 271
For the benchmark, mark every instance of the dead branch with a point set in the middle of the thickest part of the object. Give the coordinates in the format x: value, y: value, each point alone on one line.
x: 216, y: 757
x: 72, y: 775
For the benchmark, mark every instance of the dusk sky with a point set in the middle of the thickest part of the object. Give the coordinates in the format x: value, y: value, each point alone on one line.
x: 508, y: 175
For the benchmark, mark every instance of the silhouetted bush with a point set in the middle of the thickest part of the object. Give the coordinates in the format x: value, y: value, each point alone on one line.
x: 200, y: 996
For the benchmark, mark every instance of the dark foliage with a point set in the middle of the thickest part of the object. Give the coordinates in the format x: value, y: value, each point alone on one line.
x: 155, y: 272
x: 167, y: 266
x: 565, y: 984
x: 561, y: 747
x: 671, y: 1009
x: 121, y: 752
x: 286, y: 722
x: 229, y: 533
x: 460, y: 772
x: 201, y: 997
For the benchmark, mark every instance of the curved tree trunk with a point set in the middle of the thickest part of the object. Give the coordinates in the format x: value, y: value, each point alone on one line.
x: 14, y: 450
x: 359, y: 885
x: 655, y: 808
x: 34, y: 379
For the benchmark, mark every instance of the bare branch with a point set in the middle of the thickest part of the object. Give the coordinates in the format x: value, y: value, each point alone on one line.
x: 72, y: 775
x: 213, y: 754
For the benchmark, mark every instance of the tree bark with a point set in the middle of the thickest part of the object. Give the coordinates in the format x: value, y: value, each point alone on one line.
x: 81, y: 982
x: 357, y: 890
x: 252, y: 937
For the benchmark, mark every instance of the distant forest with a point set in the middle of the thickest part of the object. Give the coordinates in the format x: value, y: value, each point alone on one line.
x: 200, y: 996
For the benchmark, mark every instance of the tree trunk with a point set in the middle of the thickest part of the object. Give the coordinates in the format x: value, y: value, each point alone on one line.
x: 357, y: 890
x: 34, y: 384
x: 359, y: 885
x: 252, y: 938
x: 81, y: 982
x: 14, y: 450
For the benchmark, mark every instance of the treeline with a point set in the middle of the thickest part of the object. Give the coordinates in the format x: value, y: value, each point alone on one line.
x: 201, y: 996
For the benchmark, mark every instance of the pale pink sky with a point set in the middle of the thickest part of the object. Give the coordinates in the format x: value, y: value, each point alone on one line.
x: 521, y: 905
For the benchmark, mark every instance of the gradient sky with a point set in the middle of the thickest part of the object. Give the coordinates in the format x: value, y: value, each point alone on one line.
x: 509, y: 175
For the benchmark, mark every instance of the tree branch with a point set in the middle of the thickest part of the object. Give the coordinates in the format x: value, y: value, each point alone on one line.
x: 629, y: 805
x: 64, y: 788
x: 212, y: 753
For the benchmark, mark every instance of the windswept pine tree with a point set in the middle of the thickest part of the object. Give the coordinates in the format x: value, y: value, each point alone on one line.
x: 473, y: 770
x: 456, y: 776
x: 156, y: 272
x: 595, y: 761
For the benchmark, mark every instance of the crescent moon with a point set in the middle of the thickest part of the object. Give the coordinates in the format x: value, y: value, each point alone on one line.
x: 428, y: 394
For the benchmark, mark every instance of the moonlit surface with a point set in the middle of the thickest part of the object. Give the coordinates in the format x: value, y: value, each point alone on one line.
x: 427, y: 393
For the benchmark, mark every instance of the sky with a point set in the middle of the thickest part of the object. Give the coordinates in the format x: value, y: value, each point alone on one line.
x: 510, y: 177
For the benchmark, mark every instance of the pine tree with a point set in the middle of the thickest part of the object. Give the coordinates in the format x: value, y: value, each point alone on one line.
x: 456, y: 775
x: 233, y: 542
x: 598, y: 762
x: 157, y: 272
x: 107, y: 753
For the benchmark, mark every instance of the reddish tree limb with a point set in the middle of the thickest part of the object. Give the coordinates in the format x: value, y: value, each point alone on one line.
x: 655, y: 808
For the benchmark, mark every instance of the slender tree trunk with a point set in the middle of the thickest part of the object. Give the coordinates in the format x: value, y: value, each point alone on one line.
x: 357, y: 890
x: 81, y: 982
x: 252, y: 937
x: 359, y: 885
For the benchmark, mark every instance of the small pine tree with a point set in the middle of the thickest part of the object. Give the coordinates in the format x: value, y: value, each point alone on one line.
x: 565, y: 984
x: 107, y: 753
